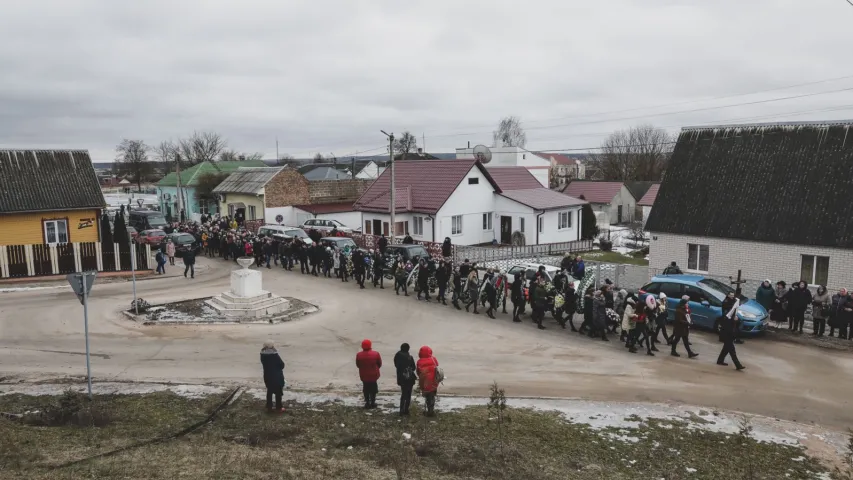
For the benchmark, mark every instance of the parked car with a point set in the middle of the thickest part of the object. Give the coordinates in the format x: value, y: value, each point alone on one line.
x: 285, y: 232
x: 146, y: 220
x: 409, y: 252
x: 323, y: 224
x: 184, y: 242
x: 339, y: 242
x: 530, y: 269
x: 132, y: 232
x: 706, y: 301
x: 151, y: 237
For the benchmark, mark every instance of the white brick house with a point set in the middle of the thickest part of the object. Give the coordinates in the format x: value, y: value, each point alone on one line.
x: 769, y: 200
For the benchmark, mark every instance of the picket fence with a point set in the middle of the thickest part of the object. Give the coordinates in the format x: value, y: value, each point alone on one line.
x: 17, y: 261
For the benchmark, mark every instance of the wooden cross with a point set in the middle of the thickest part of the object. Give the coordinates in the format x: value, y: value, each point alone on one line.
x: 737, y: 283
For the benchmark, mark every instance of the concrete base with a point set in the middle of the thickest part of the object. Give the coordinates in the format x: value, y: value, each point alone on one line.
x: 262, y: 305
x: 246, y: 283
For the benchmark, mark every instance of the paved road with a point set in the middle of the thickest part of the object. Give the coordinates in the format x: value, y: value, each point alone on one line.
x: 41, y: 337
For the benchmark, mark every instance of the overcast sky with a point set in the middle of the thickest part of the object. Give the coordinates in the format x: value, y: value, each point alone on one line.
x: 326, y: 75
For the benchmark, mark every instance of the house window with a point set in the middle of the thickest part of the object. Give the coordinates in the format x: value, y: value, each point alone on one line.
x: 521, y: 224
x: 56, y: 231
x: 487, y: 221
x: 367, y: 227
x: 418, y: 226
x: 697, y: 257
x: 456, y: 225
x: 564, y: 220
x: 231, y: 211
x: 401, y: 228
x: 384, y: 228
x: 541, y: 224
x: 473, y: 181
x: 252, y: 212
x: 815, y: 269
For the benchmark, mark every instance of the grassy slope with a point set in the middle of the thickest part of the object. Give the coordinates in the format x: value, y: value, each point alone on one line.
x: 307, y: 442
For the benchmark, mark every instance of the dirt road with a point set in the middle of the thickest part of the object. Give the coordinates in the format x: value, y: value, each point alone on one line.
x: 41, y: 336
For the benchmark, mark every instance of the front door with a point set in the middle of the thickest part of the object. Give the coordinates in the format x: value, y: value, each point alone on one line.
x: 377, y: 227
x: 506, y: 229
x: 619, y: 214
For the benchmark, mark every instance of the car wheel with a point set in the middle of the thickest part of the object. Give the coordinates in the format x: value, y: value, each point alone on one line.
x: 717, y: 326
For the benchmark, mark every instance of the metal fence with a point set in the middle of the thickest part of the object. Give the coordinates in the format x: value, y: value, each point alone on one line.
x: 503, y: 257
x: 18, y: 261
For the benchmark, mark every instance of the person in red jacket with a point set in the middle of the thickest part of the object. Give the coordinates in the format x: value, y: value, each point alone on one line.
x: 427, y: 365
x: 369, y: 362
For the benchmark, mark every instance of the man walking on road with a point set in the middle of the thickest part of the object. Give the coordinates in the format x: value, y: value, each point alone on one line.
x: 728, y: 327
x: 189, y: 262
x: 681, y: 327
x: 369, y: 362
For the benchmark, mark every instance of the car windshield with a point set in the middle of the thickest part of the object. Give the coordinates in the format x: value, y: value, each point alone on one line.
x: 296, y: 233
x: 157, y: 220
x: 719, y: 289
x: 184, y: 238
x: 336, y: 223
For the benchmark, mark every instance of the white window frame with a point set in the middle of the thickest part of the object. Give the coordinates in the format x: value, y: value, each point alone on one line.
x: 487, y: 222
x: 456, y: 225
x: 696, y: 262
x: 417, y: 226
x: 56, y: 222
x: 252, y: 214
x: 521, y: 224
x: 564, y: 220
x: 541, y: 224
x: 812, y: 280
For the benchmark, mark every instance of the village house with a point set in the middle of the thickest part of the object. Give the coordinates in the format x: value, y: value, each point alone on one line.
x: 648, y: 201
x: 612, y: 202
x: 770, y: 200
x: 470, y: 204
x: 538, y: 166
x: 48, y: 197
x: 191, y: 177
x: 564, y: 168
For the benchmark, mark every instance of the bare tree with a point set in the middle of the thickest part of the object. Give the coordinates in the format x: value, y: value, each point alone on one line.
x: 164, y: 154
x: 405, y: 144
x: 201, y: 147
x: 253, y: 156
x: 637, y: 154
x: 132, y: 161
x: 509, y: 133
x: 235, y: 156
x: 287, y: 160
x: 637, y: 234
x: 319, y: 158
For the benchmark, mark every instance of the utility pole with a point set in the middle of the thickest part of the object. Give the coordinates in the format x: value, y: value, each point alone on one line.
x: 392, y: 203
x: 277, y: 158
x: 180, y: 196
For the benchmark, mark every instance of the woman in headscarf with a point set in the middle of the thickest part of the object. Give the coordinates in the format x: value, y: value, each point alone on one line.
x: 273, y: 375
x: 423, y: 279
x: 778, y: 312
x: 660, y: 319
x: 400, y: 277
x: 681, y: 328
x: 456, y: 283
x: 599, y: 319
x: 446, y: 248
x: 491, y: 292
x: 820, y: 308
x: 765, y: 295
x: 428, y: 376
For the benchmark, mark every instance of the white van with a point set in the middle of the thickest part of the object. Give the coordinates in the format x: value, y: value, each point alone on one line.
x: 287, y: 232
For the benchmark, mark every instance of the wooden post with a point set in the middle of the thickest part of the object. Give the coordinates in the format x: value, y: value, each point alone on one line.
x: 737, y: 283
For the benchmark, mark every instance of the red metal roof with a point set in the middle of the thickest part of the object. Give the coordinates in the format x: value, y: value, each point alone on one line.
x: 514, y: 178
x: 542, y: 198
x: 593, y: 192
x: 649, y: 198
x: 327, y: 208
x: 420, y: 185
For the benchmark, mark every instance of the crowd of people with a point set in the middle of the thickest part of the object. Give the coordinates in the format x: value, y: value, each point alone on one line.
x: 790, y: 304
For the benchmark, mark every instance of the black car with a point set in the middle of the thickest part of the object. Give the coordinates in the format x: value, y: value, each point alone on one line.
x: 408, y: 252
x: 339, y: 242
x: 183, y: 243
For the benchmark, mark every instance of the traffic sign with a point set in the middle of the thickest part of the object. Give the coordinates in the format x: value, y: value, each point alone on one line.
x: 79, y: 281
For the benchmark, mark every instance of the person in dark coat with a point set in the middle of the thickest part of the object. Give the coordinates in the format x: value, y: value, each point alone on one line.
x: 672, y: 269
x: 273, y: 375
x: 465, y: 269
x: 539, y: 301
x: 588, y: 312
x: 406, y: 376
x: 408, y: 240
x: 442, y: 276
x: 369, y: 362
x: 568, y: 263
x: 820, y: 307
x: 599, y: 316
x: 570, y: 305
x: 778, y: 312
x: 799, y: 299
x: 383, y: 244
x: 446, y: 248
x: 269, y: 251
x: 378, y: 270
x: 344, y: 271
x: 517, y: 296
x: 400, y: 278
x: 189, y: 262
x: 765, y: 295
x: 456, y: 284
x: 491, y: 293
x: 285, y: 253
x: 579, y: 269
x: 728, y: 329
x: 358, y: 267
x: 840, y: 314
x: 680, y: 329
x: 423, y: 280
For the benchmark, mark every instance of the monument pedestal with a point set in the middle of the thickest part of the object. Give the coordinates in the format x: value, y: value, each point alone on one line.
x: 247, y: 298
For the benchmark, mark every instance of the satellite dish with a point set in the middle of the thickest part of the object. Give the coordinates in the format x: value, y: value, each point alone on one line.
x: 482, y: 153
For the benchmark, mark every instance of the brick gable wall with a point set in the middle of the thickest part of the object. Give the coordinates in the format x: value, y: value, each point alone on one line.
x: 336, y: 191
x: 287, y: 188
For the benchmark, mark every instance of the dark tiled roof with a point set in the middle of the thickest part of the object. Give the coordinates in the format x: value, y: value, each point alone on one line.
x: 649, y: 198
x: 249, y: 180
x: 542, y: 198
x: 44, y: 180
x: 788, y: 184
x: 513, y: 178
x: 326, y: 208
x: 593, y: 192
x: 638, y: 189
x: 420, y: 185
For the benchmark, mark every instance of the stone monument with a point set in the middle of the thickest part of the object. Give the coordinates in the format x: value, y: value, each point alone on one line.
x: 247, y: 298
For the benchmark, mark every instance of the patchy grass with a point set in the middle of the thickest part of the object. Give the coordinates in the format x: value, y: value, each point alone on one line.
x: 614, y: 257
x: 336, y: 441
